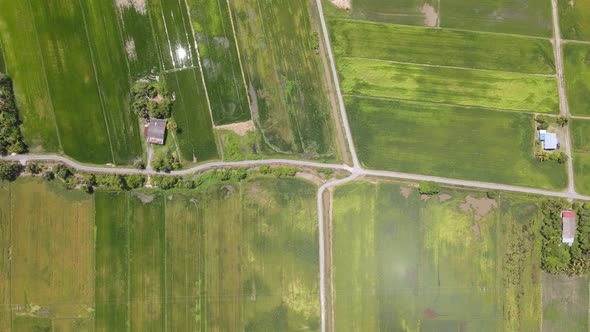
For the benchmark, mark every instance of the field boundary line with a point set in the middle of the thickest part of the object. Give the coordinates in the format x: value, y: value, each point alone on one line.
x: 344, y: 116
x: 45, y: 75
x: 167, y: 39
x: 154, y: 37
x: 575, y: 41
x: 98, y: 86
x: 442, y: 28
x: 415, y: 101
x: 231, y: 20
x: 446, y: 67
x: 196, y: 46
x: 563, y: 104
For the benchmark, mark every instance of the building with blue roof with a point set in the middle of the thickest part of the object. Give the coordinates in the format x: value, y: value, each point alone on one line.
x: 550, y: 142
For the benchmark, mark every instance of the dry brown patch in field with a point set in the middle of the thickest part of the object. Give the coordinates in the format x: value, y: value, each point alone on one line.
x: 476, y: 230
x: 130, y: 49
x: 424, y: 197
x: 343, y: 4
x: 308, y: 176
x: 144, y: 198
x: 430, y: 15
x: 138, y: 5
x: 240, y: 128
x: 444, y: 198
x: 480, y: 206
x: 405, y: 191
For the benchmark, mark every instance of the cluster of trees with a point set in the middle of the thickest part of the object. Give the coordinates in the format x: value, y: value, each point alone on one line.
x: 150, y: 99
x: 429, y: 188
x: 9, y: 170
x: 559, y: 258
x: 166, y: 164
x: 11, y: 139
x: 543, y: 122
x: 560, y: 157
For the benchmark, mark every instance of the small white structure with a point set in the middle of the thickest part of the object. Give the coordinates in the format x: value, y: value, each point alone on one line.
x: 568, y: 218
x: 542, y: 133
x: 550, y: 141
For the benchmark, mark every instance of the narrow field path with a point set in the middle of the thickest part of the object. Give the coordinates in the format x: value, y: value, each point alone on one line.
x: 563, y: 105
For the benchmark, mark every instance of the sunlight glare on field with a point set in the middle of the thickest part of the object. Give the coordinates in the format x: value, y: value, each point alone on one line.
x: 181, y: 53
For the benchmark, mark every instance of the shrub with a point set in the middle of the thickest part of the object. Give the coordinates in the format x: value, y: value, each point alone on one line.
x: 62, y: 171
x: 9, y: 170
x: 11, y: 138
x: 134, y: 181
x: 429, y: 188
x: 164, y: 182
x: 48, y: 176
x: 33, y: 168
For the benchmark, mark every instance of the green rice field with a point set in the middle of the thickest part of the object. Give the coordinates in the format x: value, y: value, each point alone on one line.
x: 525, y: 17
x: 451, y: 141
x: 489, y: 89
x: 97, y: 49
x: 285, y: 77
x: 92, y: 124
x: 565, y: 303
x: 238, y: 256
x: 440, y: 264
x: 196, y: 139
x: 574, y: 19
x: 361, y: 39
x: 212, y: 21
x: 580, y: 136
x: 577, y: 77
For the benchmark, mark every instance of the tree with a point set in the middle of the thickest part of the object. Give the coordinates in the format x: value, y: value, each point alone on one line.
x: 62, y: 171
x: 562, y: 121
x: 171, y: 125
x: 48, y: 176
x: 11, y: 139
x: 33, y: 168
x: 140, y: 165
x: 542, y: 156
x: 542, y: 122
x: 134, y: 181
x: 9, y: 170
x: 562, y: 157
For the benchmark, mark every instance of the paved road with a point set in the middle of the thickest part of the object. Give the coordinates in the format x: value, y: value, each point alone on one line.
x: 563, y: 106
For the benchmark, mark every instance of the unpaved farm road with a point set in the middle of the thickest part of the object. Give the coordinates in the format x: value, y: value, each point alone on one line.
x: 563, y: 105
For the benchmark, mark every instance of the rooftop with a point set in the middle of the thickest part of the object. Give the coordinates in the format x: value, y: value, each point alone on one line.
x: 569, y: 227
x: 156, y: 131
x: 550, y: 142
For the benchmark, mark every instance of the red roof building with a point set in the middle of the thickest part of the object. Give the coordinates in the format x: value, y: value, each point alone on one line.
x: 568, y: 219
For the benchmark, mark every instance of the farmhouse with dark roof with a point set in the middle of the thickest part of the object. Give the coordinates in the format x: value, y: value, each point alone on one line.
x: 155, y: 131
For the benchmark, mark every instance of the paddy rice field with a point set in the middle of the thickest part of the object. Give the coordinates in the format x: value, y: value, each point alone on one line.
x: 239, y: 256
x: 529, y: 17
x: 441, y: 263
x: 580, y: 134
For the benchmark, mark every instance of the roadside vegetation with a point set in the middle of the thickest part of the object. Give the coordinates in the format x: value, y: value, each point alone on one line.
x: 11, y: 139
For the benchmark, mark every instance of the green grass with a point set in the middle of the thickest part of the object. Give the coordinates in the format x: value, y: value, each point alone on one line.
x: 450, y: 141
x: 574, y: 19
x: 112, y: 256
x: 577, y: 77
x: 490, y: 89
x: 580, y: 133
x: 219, y: 56
x: 195, y: 136
x: 529, y: 17
x: 285, y: 77
x: 565, y: 303
x: 360, y: 39
x: 5, y: 220
x: 407, y: 264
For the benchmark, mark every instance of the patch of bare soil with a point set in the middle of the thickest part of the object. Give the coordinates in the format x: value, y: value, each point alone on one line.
x: 229, y: 190
x: 405, y: 191
x: 143, y: 197
x: 480, y: 206
x: 444, y: 198
x: 430, y: 15
x: 240, y: 128
x: 130, y: 49
x: 572, y: 3
x: 424, y: 198
x: 431, y: 314
x: 308, y: 176
x: 343, y: 4
x: 222, y: 41
x: 138, y: 5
